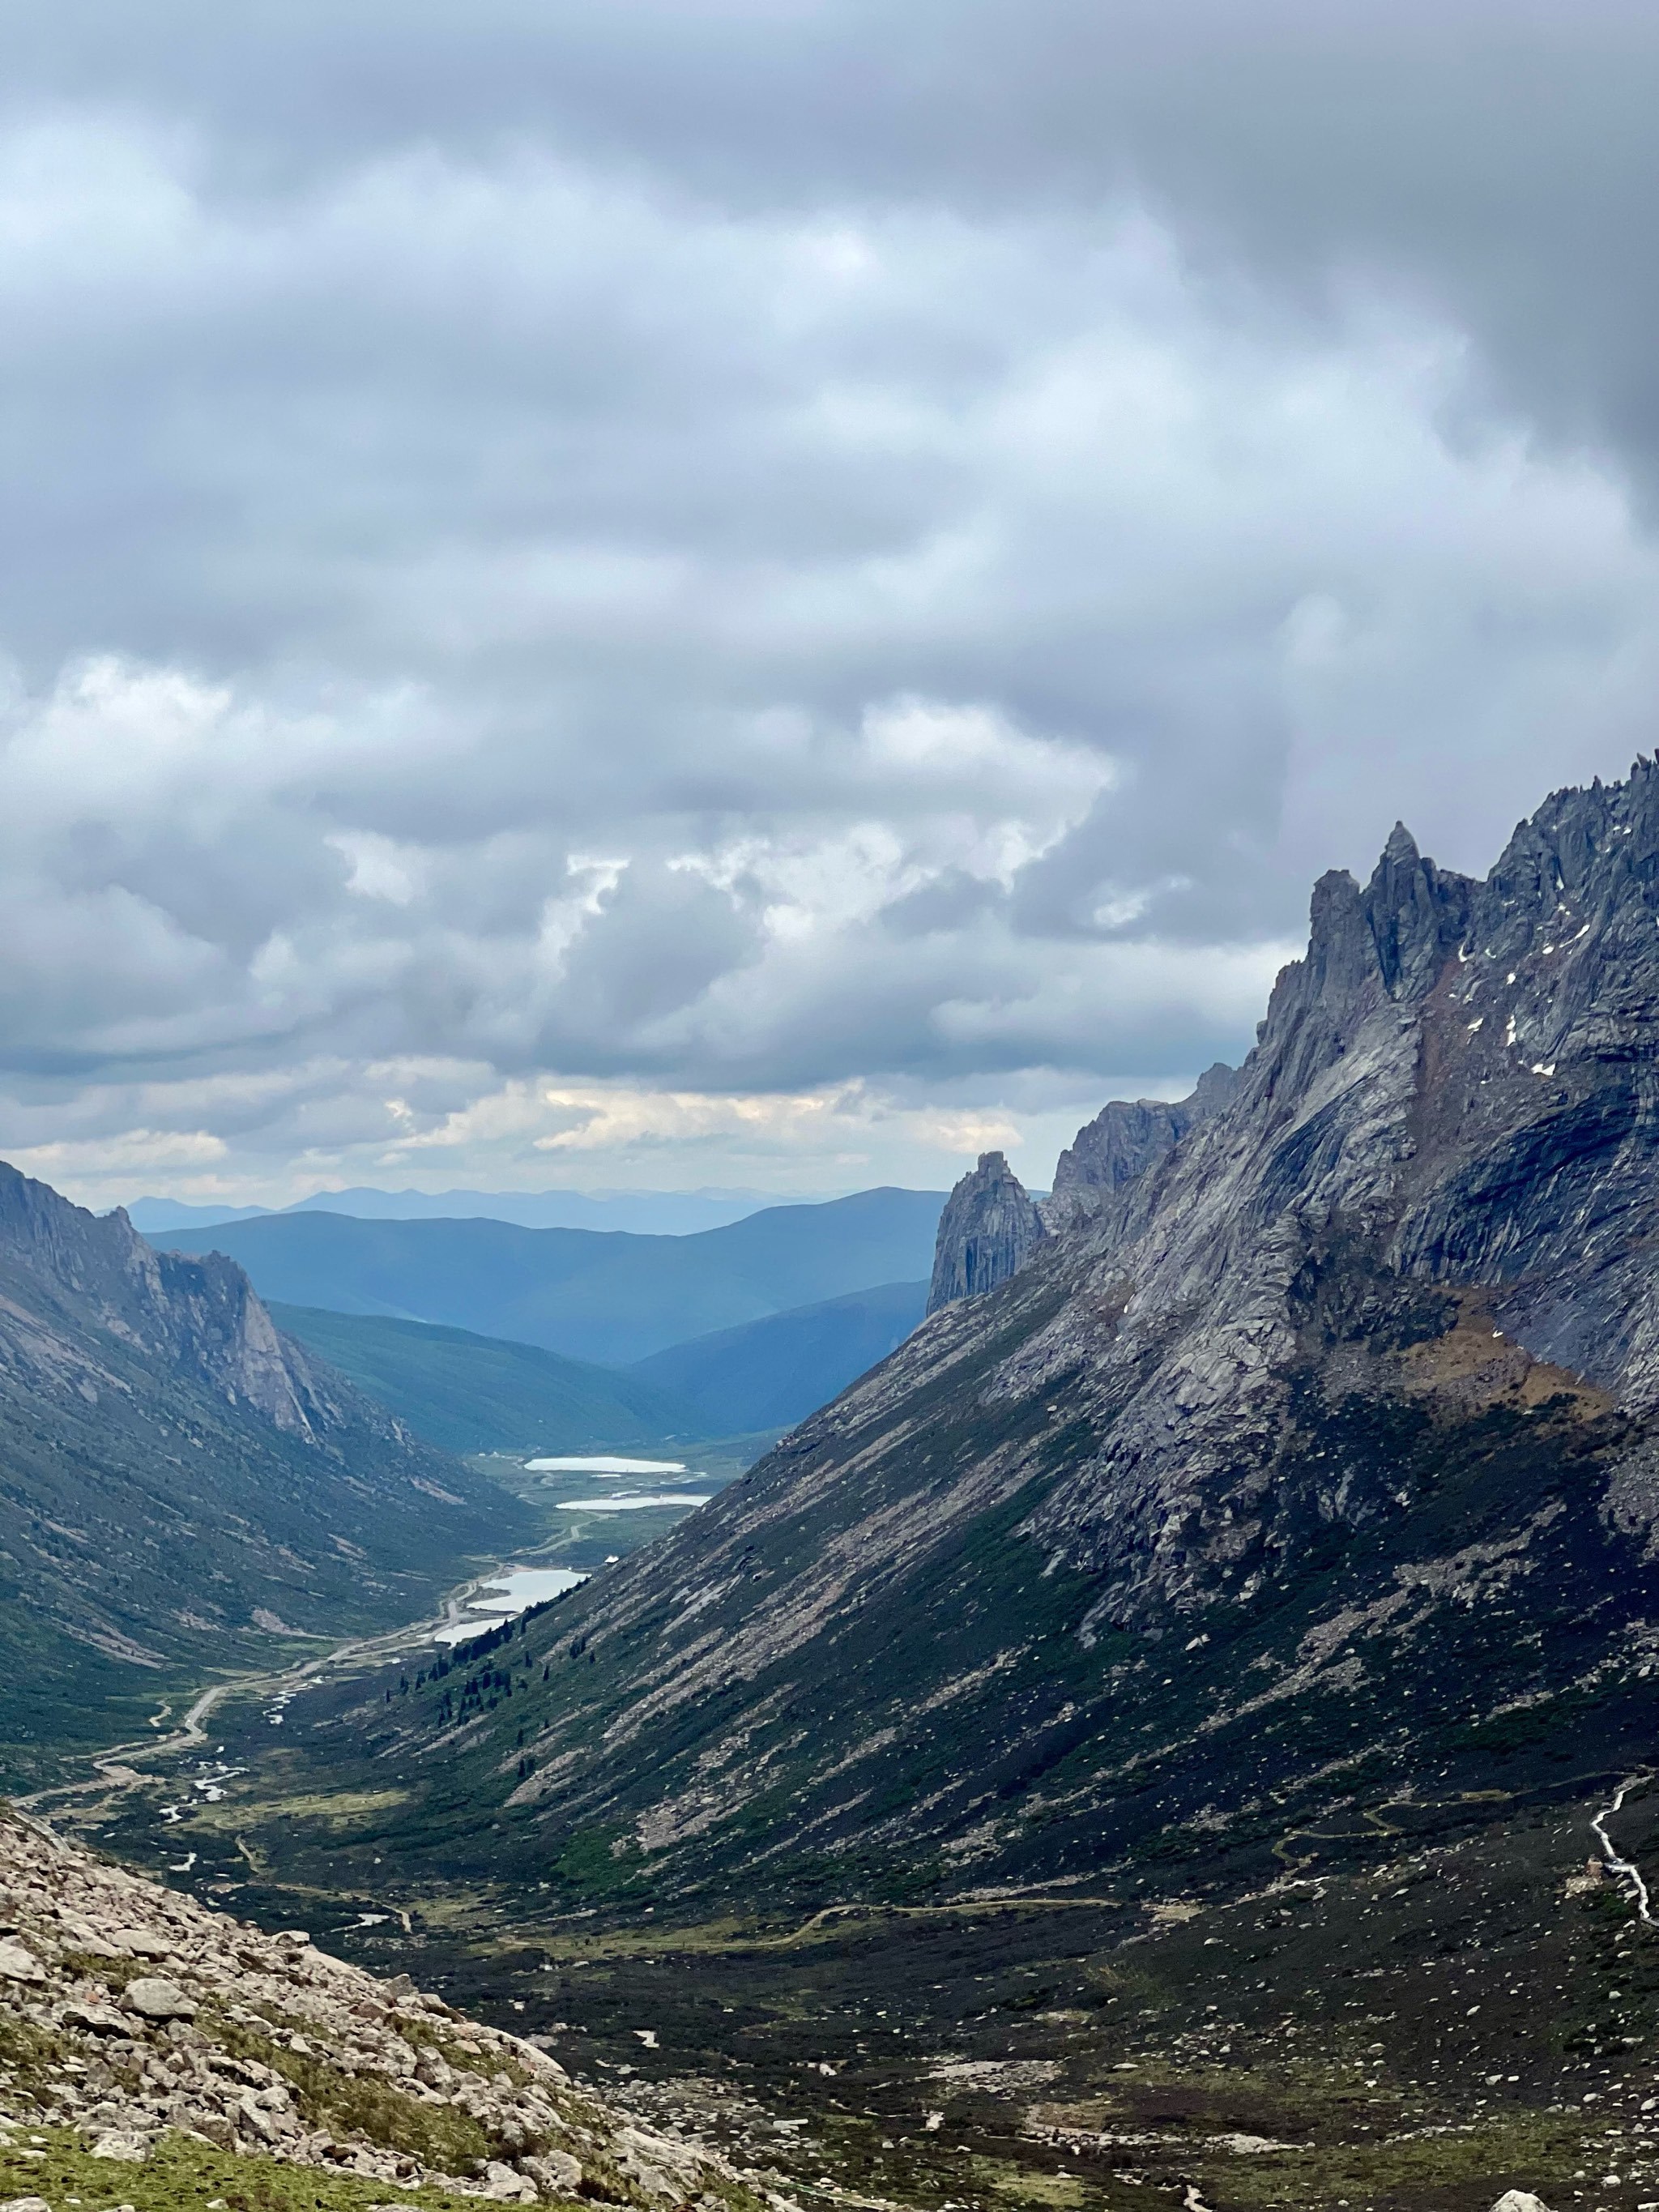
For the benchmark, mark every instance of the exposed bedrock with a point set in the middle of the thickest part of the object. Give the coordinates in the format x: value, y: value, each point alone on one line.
x: 988, y: 1230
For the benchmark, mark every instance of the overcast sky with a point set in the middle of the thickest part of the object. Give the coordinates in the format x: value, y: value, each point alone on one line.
x: 661, y: 592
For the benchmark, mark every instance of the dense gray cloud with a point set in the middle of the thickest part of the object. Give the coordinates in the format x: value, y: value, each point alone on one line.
x: 1496, y: 155
x: 770, y: 592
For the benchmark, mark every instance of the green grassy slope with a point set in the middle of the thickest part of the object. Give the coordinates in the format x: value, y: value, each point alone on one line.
x: 152, y: 1537
x: 611, y: 1297
x: 471, y: 1394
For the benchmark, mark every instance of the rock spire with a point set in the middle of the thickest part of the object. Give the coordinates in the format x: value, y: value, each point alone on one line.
x: 988, y: 1230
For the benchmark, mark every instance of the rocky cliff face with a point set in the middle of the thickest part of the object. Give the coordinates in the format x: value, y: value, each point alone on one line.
x: 991, y: 1226
x: 1125, y: 1138
x: 987, y: 1232
x: 1319, y: 1446
x: 138, y: 2029
x: 182, y: 1483
x: 198, y: 1316
x: 1455, y: 1087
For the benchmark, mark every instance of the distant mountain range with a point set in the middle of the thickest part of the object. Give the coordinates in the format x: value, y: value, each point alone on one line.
x: 187, y: 1483
x: 467, y: 1393
x: 772, y: 1373
x: 182, y: 1487
x: 478, y: 1393
x: 642, y: 1212
x: 149, y: 1214
x: 613, y: 1299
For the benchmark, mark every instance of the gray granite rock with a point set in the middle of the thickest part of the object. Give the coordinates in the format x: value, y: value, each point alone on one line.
x: 126, y: 2147
x: 1126, y: 1138
x: 157, y: 1998
x: 986, y: 1233
x: 1460, y: 1079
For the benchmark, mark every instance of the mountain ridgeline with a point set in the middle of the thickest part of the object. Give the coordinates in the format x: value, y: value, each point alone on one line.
x: 991, y: 1226
x: 1308, y: 1456
x: 182, y: 1486
x: 606, y: 1296
x: 477, y: 1394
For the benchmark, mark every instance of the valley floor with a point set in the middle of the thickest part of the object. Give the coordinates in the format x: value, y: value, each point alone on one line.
x: 576, y: 1542
x: 1427, y: 2005
x: 1417, y: 2007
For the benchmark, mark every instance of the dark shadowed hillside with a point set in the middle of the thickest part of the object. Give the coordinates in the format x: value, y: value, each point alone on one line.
x: 181, y: 1485
x: 775, y: 1373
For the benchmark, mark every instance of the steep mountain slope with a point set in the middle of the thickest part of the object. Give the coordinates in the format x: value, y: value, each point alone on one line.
x: 181, y: 1485
x: 773, y: 1373
x: 611, y: 1297
x: 473, y: 1394
x: 1315, y: 1467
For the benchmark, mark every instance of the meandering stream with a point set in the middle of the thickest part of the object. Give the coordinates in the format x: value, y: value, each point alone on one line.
x: 1622, y: 1868
x: 470, y: 1609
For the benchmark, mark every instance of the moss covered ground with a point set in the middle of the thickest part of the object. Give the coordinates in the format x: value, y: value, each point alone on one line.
x: 183, y: 2175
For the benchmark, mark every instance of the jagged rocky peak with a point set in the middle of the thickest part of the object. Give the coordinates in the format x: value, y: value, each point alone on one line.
x: 1457, y: 1085
x: 1564, y: 920
x: 1214, y: 1089
x: 1126, y: 1138
x: 1412, y: 1041
x: 986, y: 1233
x: 1386, y: 944
x: 202, y: 1315
x: 1417, y: 914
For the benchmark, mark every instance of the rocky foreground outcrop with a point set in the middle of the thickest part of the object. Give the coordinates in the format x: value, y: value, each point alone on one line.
x: 126, y: 2011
